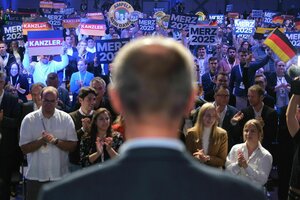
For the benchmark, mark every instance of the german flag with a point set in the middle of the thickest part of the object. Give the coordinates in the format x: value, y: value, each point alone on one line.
x: 213, y: 23
x: 281, y: 45
x: 277, y: 19
x: 297, y: 23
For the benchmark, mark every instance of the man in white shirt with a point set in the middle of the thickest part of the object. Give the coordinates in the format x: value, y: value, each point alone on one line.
x: 153, y: 89
x: 46, y: 136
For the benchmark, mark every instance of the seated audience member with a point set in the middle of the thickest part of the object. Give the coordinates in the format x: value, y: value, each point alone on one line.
x: 100, y: 143
x: 18, y: 81
x: 143, y: 71
x: 63, y: 102
x: 5, y: 58
x: 206, y: 141
x: 80, y: 79
x: 44, y: 66
x: 226, y: 112
x: 82, y: 119
x: 261, y: 80
x: 250, y: 159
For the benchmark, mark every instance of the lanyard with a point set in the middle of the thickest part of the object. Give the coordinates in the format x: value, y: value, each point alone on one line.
x: 11, y: 82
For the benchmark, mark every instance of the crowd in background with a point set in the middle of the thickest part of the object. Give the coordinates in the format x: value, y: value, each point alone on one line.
x: 237, y: 124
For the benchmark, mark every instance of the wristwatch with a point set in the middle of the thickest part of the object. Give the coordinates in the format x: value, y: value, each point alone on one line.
x: 55, y: 142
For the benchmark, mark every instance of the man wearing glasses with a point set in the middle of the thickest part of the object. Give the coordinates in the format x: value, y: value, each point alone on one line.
x: 46, y: 136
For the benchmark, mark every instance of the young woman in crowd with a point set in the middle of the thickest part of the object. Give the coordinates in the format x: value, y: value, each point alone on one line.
x: 206, y: 141
x: 99, y: 143
x: 250, y: 159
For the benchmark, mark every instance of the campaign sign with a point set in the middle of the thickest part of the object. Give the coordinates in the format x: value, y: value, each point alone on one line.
x: 96, y: 16
x: 45, y: 42
x: 294, y: 38
x: 46, y: 4
x: 244, y: 28
x: 147, y: 25
x: 106, y: 49
x: 220, y: 18
x: 181, y: 21
x: 35, y: 26
x: 203, y: 35
x: 119, y: 13
x: 92, y: 27
x: 268, y: 17
x: 229, y: 7
x: 59, y: 5
x: 55, y: 19
x: 158, y: 9
x: 71, y: 22
x: 69, y: 11
x: 257, y: 13
x: 12, y: 32
x: 15, y: 17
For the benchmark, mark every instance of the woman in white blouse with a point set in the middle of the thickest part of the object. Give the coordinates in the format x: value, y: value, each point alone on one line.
x: 250, y: 159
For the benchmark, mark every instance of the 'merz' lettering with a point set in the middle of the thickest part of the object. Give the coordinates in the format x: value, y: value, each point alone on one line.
x: 110, y: 46
x: 184, y: 19
x: 12, y: 29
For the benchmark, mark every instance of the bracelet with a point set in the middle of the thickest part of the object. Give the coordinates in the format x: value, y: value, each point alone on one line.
x: 55, y: 142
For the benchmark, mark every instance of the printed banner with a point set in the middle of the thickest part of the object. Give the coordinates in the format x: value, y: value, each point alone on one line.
x: 158, y: 9
x: 119, y: 14
x: 294, y: 38
x: 15, y: 17
x: 13, y: 32
x: 135, y: 15
x: 106, y: 49
x: 92, y: 27
x: 96, y: 16
x: 71, y: 22
x: 201, y: 35
x: 68, y: 11
x: 257, y: 13
x: 268, y: 17
x: 59, y: 5
x: 55, y: 19
x: 218, y: 17
x: 182, y: 22
x: 229, y: 7
x: 147, y: 25
x: 244, y: 28
x: 234, y: 15
x: 45, y: 42
x: 35, y: 26
x: 46, y: 4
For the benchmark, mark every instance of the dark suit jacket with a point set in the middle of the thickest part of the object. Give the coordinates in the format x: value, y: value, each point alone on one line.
x: 63, y: 95
x: 208, y: 87
x: 232, y: 134
x: 27, y: 108
x: 236, y: 77
x: 272, y: 82
x: 270, y: 128
x: 9, y: 126
x: 150, y: 174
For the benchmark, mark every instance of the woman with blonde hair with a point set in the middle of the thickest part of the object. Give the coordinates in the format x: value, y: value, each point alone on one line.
x: 250, y: 159
x: 206, y: 141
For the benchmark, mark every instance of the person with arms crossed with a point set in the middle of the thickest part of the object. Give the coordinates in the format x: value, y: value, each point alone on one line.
x: 152, y: 155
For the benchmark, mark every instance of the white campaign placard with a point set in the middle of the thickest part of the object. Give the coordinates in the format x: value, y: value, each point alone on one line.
x: 244, y: 28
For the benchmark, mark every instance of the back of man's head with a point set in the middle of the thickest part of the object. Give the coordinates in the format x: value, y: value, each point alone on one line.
x: 153, y: 75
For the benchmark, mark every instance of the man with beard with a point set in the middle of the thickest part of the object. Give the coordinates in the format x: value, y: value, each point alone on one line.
x: 227, y: 63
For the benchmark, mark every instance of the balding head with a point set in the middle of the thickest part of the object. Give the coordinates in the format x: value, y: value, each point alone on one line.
x: 153, y: 75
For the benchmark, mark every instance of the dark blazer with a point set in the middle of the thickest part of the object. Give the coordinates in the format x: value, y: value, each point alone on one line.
x: 27, y: 108
x: 11, y: 59
x: 236, y: 77
x: 272, y: 82
x: 63, y: 95
x: 150, y: 174
x: 270, y: 128
x: 231, y: 132
x: 208, y: 86
x: 9, y: 126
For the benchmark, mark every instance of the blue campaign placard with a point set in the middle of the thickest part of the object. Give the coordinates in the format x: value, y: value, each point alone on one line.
x: 244, y: 28
x: 107, y: 49
x: 268, y: 16
x: 13, y: 32
x: 294, y: 38
x: 257, y: 13
x: 147, y: 25
x: 181, y: 21
x: 219, y: 17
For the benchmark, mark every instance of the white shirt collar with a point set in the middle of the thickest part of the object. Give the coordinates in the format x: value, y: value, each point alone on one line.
x: 81, y: 112
x: 153, y: 142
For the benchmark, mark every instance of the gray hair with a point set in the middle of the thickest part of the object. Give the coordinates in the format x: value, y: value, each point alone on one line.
x: 153, y: 75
